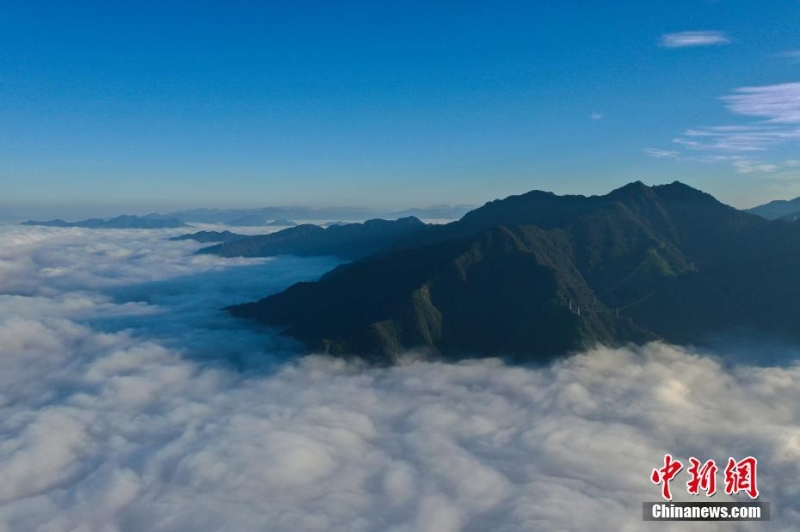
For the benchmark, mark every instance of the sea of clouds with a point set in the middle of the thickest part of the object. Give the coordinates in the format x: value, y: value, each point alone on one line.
x: 129, y: 402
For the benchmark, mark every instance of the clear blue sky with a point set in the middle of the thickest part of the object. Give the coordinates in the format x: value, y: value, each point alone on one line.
x: 172, y: 104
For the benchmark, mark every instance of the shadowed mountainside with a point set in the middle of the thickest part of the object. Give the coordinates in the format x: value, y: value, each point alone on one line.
x: 538, y: 275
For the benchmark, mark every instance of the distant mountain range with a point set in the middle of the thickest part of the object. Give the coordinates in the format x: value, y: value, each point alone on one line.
x: 248, y: 220
x: 260, y: 217
x: 263, y: 216
x: 774, y: 210
x: 210, y: 236
x: 435, y: 212
x: 120, y: 222
x: 282, y: 223
x: 536, y: 276
x: 346, y: 241
x: 257, y: 220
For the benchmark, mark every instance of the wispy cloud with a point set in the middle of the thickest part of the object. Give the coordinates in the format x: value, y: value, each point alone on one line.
x: 777, y: 107
x: 661, y: 154
x: 736, y: 138
x: 746, y: 166
x: 597, y: 116
x: 779, y: 104
x: 685, y: 39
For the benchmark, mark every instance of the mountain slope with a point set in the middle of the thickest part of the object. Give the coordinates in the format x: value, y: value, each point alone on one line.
x: 510, y: 277
x: 416, y: 298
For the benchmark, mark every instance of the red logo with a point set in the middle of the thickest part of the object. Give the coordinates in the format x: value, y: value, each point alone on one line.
x: 702, y: 477
x: 740, y: 476
x: 664, y: 475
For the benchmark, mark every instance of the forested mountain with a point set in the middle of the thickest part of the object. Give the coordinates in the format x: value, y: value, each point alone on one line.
x: 537, y: 275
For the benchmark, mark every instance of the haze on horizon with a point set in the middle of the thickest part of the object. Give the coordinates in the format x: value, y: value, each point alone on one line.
x: 155, y: 107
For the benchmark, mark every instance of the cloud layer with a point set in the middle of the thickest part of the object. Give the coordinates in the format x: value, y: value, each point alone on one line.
x: 112, y: 424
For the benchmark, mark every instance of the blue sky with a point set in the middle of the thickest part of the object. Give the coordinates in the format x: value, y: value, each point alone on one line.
x: 174, y: 104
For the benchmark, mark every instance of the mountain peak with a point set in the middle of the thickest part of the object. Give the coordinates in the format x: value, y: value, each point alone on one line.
x: 677, y: 191
x: 533, y: 276
x: 632, y: 190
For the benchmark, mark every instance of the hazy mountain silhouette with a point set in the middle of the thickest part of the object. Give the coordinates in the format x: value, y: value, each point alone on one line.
x: 248, y: 220
x: 443, y: 212
x: 210, y: 236
x: 778, y: 209
x: 257, y: 220
x: 537, y: 275
x: 348, y: 241
x: 120, y: 222
x: 260, y: 216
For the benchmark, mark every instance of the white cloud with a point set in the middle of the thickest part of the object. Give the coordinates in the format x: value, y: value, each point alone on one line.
x: 597, y: 116
x: 779, y: 104
x: 686, y: 39
x: 122, y: 428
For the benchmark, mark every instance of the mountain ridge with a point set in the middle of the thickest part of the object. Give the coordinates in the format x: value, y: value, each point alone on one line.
x: 776, y: 209
x: 120, y: 222
x: 563, y: 272
x: 348, y: 241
